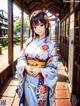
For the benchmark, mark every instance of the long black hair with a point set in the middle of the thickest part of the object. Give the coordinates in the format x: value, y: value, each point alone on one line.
x: 36, y: 17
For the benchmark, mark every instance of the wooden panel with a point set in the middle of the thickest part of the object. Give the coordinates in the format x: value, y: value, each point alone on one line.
x: 64, y: 52
x: 76, y: 71
x: 4, y: 75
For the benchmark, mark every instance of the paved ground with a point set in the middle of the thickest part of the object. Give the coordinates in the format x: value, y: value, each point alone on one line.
x: 4, y: 57
x: 61, y: 92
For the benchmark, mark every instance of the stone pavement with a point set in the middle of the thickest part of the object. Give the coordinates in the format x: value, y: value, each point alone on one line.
x: 4, y: 57
x: 8, y: 96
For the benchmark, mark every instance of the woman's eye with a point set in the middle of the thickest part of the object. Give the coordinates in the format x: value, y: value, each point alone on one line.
x: 41, y: 25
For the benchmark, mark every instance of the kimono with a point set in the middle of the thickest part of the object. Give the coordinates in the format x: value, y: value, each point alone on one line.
x: 39, y: 90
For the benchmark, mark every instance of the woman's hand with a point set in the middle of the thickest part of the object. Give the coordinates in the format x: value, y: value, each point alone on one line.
x: 29, y: 70
x: 19, y: 94
x: 33, y: 71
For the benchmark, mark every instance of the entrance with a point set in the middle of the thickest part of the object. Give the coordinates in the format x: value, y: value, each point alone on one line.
x: 76, y: 70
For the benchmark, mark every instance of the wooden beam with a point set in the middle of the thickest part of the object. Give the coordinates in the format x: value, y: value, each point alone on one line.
x: 59, y: 2
x: 22, y: 28
x: 32, y: 2
x: 28, y: 1
x: 54, y: 2
x: 33, y: 5
x: 10, y: 31
x: 37, y: 7
x: 55, y: 5
x: 54, y: 10
x: 44, y: 1
x: 21, y: 4
x: 47, y: 5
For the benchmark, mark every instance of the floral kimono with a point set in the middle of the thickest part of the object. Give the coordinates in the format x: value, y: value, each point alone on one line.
x: 39, y: 90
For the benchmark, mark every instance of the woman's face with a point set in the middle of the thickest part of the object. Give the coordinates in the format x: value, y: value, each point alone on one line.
x: 39, y: 29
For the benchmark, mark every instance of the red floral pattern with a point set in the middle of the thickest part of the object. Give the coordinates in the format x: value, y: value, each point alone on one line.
x: 45, y: 47
x: 40, y: 103
x: 43, y: 89
x: 41, y: 93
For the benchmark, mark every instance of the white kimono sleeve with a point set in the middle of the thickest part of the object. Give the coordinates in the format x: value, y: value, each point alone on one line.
x: 22, y: 62
x: 50, y: 72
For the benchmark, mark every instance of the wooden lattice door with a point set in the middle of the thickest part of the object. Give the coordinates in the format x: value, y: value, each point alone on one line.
x: 76, y: 71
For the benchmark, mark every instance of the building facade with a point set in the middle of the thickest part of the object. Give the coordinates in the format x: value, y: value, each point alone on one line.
x: 3, y: 22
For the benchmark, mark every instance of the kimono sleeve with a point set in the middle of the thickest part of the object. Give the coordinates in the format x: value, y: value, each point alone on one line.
x: 22, y: 62
x: 50, y: 72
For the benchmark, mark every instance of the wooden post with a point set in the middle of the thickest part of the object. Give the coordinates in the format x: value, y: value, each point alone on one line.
x: 22, y: 24
x: 29, y: 28
x: 10, y: 32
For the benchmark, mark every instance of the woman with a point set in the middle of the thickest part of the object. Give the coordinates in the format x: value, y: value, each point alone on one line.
x: 37, y: 65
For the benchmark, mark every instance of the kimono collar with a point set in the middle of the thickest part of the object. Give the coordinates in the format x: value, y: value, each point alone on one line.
x: 44, y: 40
